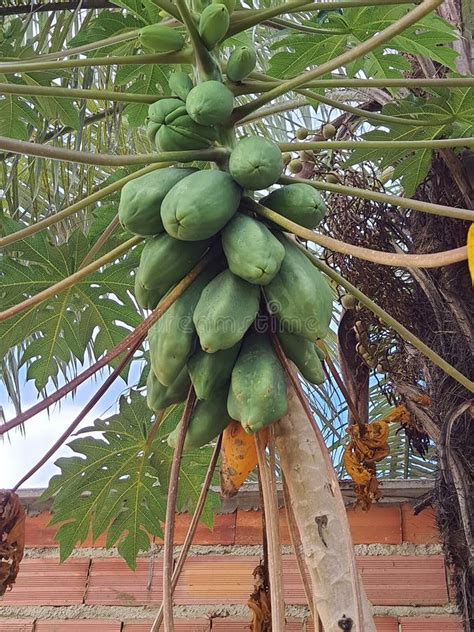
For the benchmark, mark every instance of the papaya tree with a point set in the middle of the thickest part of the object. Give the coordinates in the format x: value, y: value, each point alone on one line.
x: 165, y: 207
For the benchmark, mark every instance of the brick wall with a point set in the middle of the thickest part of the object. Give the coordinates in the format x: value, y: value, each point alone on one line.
x: 398, y: 555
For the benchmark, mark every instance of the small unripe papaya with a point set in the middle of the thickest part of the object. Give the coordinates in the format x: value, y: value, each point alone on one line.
x: 213, y: 24
x: 159, y: 397
x: 161, y: 39
x: 302, y: 133
x: 286, y: 158
x: 241, y: 63
x: 210, y: 103
x: 332, y: 178
x: 299, y: 202
x: 180, y: 84
x: 210, y: 371
x: 295, y: 166
x: 304, y: 354
x: 329, y: 131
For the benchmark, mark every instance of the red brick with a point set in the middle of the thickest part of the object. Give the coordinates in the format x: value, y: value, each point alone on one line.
x: 249, y: 527
x: 243, y: 625
x: 16, y: 625
x: 84, y: 625
x: 45, y: 582
x: 431, y: 624
x: 222, y: 533
x: 39, y: 535
x: 380, y: 525
x: 404, y: 580
x: 382, y: 624
x: 211, y: 579
x: 180, y: 625
x: 420, y: 529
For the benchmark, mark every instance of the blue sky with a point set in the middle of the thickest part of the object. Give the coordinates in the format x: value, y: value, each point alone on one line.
x: 19, y: 451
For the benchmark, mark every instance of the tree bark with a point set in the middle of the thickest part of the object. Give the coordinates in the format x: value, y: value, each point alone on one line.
x: 317, y: 504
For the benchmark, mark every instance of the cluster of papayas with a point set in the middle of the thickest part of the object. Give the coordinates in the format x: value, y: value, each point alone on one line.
x: 211, y: 336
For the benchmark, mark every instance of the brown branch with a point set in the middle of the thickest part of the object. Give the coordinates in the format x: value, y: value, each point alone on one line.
x: 191, y: 530
x: 68, y: 5
x: 275, y: 569
x: 171, y: 514
x: 87, y: 408
x: 137, y: 334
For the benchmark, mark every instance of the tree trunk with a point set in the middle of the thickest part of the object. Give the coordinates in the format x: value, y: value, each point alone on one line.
x: 317, y: 504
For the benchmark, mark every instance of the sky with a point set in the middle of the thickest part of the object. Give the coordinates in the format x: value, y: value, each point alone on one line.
x: 19, y: 451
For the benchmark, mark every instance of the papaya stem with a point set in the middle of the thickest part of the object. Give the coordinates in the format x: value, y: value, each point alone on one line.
x: 405, y: 333
x: 379, y: 144
x: 171, y: 514
x: 69, y: 281
x: 138, y: 333
x: 168, y: 7
x: 78, y: 206
x: 206, y: 65
x: 340, y: 60
x: 101, y: 241
x: 86, y: 48
x: 258, y: 86
x: 85, y: 411
x: 395, y: 200
x: 184, y: 56
x: 88, y: 158
x: 435, y: 260
x: 191, y: 530
x: 244, y: 22
x: 77, y: 93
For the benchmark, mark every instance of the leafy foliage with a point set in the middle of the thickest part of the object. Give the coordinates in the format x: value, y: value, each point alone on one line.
x: 117, y: 482
x: 96, y: 313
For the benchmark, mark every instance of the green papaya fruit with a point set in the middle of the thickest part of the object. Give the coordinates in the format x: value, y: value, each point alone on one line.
x: 298, y: 202
x: 146, y: 298
x: 200, y: 205
x: 180, y: 84
x: 241, y: 63
x: 255, y: 163
x: 210, y: 103
x: 160, y: 110
x: 208, y: 420
x: 304, y: 354
x: 300, y: 296
x: 183, y: 133
x: 159, y: 397
x: 252, y: 252
x: 210, y: 371
x: 213, y: 24
x: 173, y: 336
x: 151, y: 130
x: 230, y: 4
x: 161, y: 39
x: 257, y: 394
x: 176, y: 130
x: 227, y: 308
x: 165, y: 261
x: 140, y: 200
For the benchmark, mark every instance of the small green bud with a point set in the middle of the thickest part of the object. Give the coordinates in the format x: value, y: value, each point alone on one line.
x: 329, y: 131
x: 302, y: 133
x: 295, y: 166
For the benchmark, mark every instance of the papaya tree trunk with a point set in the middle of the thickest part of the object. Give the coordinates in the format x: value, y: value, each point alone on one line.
x: 318, y: 507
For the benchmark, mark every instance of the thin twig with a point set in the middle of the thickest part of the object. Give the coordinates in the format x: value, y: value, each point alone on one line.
x: 138, y: 333
x: 296, y: 544
x: 275, y: 567
x: 171, y: 514
x: 329, y: 145
x: 395, y: 200
x: 104, y: 237
x: 191, y: 530
x: 69, y: 281
x: 434, y: 260
x: 27, y: 148
x: 87, y: 408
